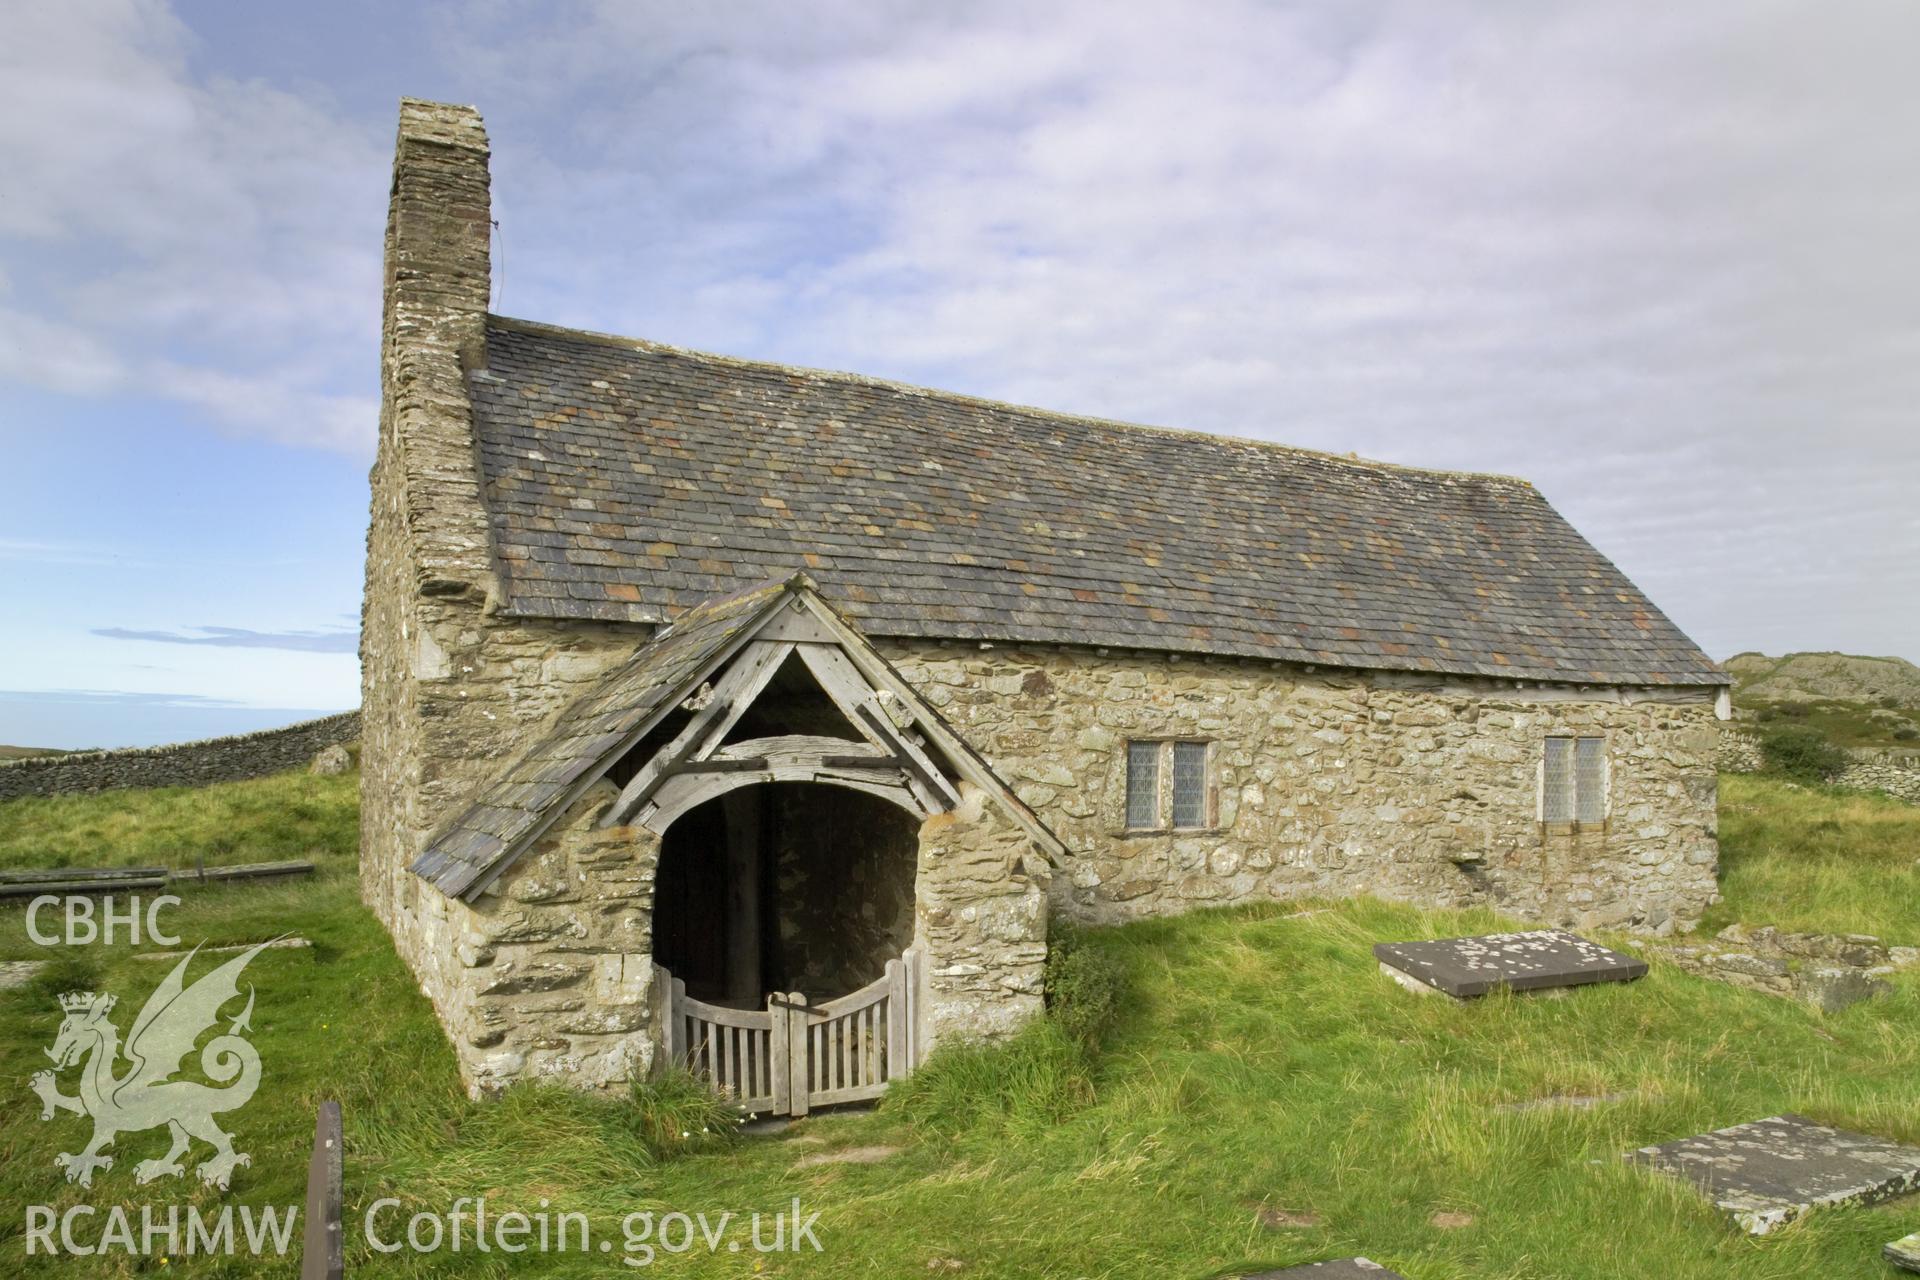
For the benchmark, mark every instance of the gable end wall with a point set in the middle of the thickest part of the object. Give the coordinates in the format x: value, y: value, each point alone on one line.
x: 449, y: 688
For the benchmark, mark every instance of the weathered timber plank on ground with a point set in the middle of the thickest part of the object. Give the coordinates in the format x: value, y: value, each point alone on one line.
x: 76, y: 888
x: 86, y: 880
x: 243, y: 871
x: 62, y: 874
x: 1339, y: 1269
x: 322, y: 1253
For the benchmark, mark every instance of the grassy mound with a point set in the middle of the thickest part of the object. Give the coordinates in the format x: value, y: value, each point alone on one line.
x: 1254, y: 1061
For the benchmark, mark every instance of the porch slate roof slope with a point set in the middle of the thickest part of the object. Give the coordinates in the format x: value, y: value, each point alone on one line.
x: 529, y: 790
x: 627, y: 481
x: 603, y: 723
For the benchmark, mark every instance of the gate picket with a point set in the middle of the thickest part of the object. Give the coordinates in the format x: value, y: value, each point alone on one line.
x: 792, y: 1056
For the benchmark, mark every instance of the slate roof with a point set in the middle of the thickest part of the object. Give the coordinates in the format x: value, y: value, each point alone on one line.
x: 628, y: 481
x: 539, y: 785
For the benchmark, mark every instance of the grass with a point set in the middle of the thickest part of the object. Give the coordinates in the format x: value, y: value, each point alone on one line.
x: 1257, y: 1061
x: 288, y: 815
x: 1818, y: 859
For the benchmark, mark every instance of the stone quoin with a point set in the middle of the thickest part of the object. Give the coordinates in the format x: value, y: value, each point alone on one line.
x: 702, y: 683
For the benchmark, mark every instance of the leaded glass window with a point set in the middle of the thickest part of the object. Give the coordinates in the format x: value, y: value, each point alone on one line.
x: 1573, y: 780
x: 1143, y: 785
x: 1189, y: 784
x: 1556, y: 781
x: 1590, y: 779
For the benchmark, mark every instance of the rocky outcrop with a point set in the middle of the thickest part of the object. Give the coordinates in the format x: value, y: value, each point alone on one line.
x: 1834, y: 677
x: 331, y: 762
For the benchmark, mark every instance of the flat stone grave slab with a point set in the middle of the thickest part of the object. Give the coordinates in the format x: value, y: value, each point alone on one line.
x: 1344, y: 1269
x: 1767, y: 1173
x: 1904, y: 1253
x: 1531, y: 961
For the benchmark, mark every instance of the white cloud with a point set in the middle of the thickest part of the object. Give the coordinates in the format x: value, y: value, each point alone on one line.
x: 1655, y: 258
x: 170, y: 233
x: 55, y: 355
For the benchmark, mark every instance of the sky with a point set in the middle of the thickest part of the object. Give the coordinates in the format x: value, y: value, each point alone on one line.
x: 1658, y: 259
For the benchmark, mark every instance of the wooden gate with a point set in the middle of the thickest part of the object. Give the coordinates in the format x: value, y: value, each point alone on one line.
x: 792, y: 1056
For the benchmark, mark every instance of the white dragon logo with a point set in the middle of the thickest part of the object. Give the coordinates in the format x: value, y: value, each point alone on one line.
x: 146, y: 1097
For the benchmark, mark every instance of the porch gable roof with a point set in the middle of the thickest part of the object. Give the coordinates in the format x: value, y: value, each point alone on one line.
x: 602, y: 725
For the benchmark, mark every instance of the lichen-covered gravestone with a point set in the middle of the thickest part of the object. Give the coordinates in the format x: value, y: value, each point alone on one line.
x: 1531, y: 961
x: 1904, y: 1253
x: 1343, y: 1269
x: 1767, y: 1173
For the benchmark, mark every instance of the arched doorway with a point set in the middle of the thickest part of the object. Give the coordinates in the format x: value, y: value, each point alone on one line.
x: 784, y: 886
x: 783, y: 928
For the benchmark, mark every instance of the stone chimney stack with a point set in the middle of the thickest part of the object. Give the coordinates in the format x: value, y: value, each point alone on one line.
x: 439, y: 222
x: 430, y: 574
x: 438, y: 277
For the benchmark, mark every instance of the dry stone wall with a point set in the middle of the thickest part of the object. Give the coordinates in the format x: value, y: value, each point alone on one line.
x: 1893, y: 775
x: 1739, y: 752
x: 1341, y: 784
x: 180, y: 764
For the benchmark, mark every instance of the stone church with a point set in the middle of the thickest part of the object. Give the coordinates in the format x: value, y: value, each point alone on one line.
x: 761, y: 718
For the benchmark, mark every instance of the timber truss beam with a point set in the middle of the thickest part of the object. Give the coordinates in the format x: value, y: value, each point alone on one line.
x: 891, y: 759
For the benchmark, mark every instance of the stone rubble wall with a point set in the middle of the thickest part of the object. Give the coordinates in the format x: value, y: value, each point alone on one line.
x: 844, y: 874
x: 1894, y: 774
x: 981, y: 923
x: 550, y: 976
x: 1827, y: 971
x: 1332, y: 785
x: 180, y: 764
x: 1739, y: 752
x: 1901, y: 781
x: 450, y: 689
